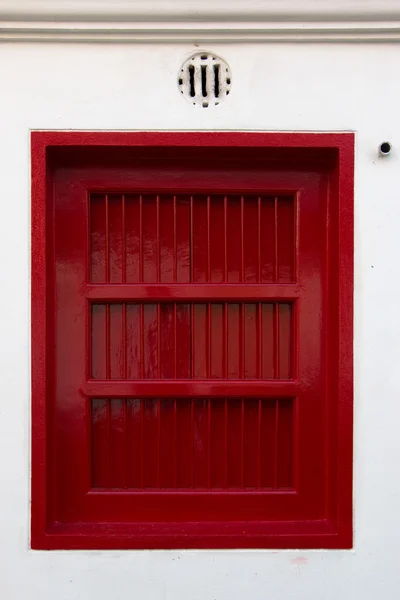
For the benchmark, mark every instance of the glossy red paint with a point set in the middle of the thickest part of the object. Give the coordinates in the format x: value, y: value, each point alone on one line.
x: 192, y: 340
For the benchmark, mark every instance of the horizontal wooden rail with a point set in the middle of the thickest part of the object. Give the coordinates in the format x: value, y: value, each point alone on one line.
x: 192, y: 292
x: 167, y: 388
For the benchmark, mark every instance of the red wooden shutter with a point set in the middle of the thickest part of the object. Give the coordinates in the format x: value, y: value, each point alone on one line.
x: 194, y: 401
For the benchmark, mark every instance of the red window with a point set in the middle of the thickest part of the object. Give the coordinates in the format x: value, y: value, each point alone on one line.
x: 192, y: 340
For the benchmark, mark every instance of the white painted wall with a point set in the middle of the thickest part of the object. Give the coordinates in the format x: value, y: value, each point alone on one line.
x: 275, y: 87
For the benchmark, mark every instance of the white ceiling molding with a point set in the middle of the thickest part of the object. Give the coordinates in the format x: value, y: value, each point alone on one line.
x: 197, y: 21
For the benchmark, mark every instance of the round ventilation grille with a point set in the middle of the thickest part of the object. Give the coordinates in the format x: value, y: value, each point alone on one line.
x: 205, y: 79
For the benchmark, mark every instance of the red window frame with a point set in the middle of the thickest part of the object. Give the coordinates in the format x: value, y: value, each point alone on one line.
x: 331, y: 526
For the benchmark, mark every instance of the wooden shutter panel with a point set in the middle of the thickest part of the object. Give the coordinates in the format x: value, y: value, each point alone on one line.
x: 193, y: 336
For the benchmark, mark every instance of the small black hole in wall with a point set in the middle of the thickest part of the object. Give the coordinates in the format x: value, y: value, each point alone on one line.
x: 228, y: 81
x: 191, y: 81
x: 227, y: 92
x: 385, y: 148
x: 216, y: 81
x: 180, y: 81
x: 205, y: 104
x: 204, y: 57
x: 204, y: 81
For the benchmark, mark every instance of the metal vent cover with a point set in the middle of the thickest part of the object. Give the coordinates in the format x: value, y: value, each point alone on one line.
x: 205, y: 79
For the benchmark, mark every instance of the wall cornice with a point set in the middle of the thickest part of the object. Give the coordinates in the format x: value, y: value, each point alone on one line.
x: 200, y: 21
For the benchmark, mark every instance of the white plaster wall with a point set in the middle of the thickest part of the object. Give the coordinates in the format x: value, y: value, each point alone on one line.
x: 275, y: 87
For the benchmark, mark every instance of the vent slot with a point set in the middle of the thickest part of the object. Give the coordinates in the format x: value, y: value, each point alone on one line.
x: 204, y: 79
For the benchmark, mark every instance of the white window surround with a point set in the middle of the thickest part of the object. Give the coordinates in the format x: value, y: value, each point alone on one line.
x: 200, y: 20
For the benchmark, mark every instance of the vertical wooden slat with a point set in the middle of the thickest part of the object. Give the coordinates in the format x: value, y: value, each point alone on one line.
x: 183, y: 333
x: 107, y: 341
x: 150, y: 339
x: 225, y: 238
x: 158, y: 248
x: 159, y: 403
x: 150, y: 241
x: 124, y: 344
x: 175, y: 341
x: 250, y: 443
x: 259, y: 269
x: 133, y: 237
x: 285, y: 341
x: 267, y: 442
x: 259, y: 340
x: 286, y: 239
x: 141, y: 453
x: 208, y: 278
x: 134, y: 442
x: 97, y: 231
x: 250, y: 344
x: 175, y: 255
x: 259, y: 406
x: 184, y: 443
x: 225, y: 443
x: 267, y: 240
x: 241, y: 238
x: 141, y: 309
x: 98, y: 347
x: 158, y: 366
x: 209, y: 458
x: 115, y: 239
x: 141, y: 262
x: 99, y: 443
x: 166, y: 239
x: 242, y: 444
x: 225, y: 340
x: 116, y: 341
x: 250, y: 240
x: 192, y: 343
x: 217, y: 240
x: 108, y: 442
x: 209, y: 340
x: 217, y: 459
x: 175, y: 447
x: 242, y: 343
x: 276, y: 239
x: 127, y: 458
x: 191, y: 240
x: 167, y: 337
x: 233, y: 239
x: 151, y: 443
x: 234, y: 437
x: 200, y: 239
x: 166, y: 475
x: 268, y: 340
x: 217, y: 334
x: 200, y: 438
x: 123, y: 232
x: 133, y: 340
x: 234, y: 350
x: 276, y: 446
x: 192, y: 444
x: 107, y: 257
x: 285, y: 444
x: 183, y: 239
x: 117, y: 444
x: 276, y: 341
x: 199, y: 346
